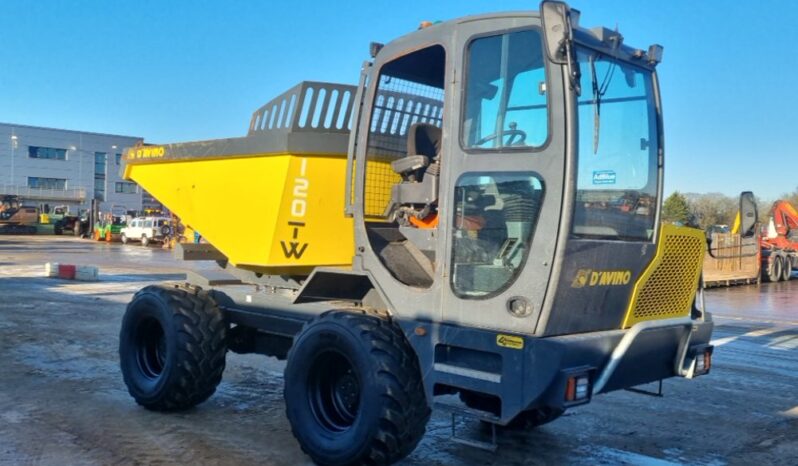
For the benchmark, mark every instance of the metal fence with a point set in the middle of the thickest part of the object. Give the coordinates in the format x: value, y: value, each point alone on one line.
x: 38, y: 194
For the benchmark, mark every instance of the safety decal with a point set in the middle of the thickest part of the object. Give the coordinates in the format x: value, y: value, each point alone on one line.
x: 510, y: 341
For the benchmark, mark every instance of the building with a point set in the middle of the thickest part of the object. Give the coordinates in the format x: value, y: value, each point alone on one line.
x: 63, y: 167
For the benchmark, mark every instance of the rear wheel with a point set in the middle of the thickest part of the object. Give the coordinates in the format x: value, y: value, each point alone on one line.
x: 786, y: 265
x: 353, y: 391
x: 774, y: 271
x: 172, y: 348
x: 145, y: 240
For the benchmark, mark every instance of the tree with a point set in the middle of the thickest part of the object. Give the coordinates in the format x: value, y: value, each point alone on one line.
x: 713, y: 209
x: 676, y: 209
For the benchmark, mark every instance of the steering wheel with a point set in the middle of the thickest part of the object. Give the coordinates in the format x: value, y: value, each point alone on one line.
x: 512, y: 134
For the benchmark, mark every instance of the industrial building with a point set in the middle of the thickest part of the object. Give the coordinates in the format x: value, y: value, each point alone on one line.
x: 47, y: 166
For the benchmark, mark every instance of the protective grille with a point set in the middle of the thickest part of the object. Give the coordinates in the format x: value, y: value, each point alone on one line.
x: 668, y: 286
x: 399, y: 104
x: 379, y: 179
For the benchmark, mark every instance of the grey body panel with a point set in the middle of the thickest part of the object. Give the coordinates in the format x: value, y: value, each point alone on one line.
x: 590, y: 307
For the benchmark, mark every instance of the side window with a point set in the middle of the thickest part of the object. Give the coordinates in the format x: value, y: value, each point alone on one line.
x: 409, y: 92
x: 494, y: 220
x: 505, y: 101
x: 148, y: 224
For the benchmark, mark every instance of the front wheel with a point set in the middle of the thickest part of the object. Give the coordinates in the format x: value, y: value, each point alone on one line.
x: 172, y: 348
x: 145, y: 240
x: 353, y: 391
x: 123, y: 238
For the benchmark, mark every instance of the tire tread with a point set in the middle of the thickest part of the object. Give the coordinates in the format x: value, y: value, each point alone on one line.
x: 201, y: 349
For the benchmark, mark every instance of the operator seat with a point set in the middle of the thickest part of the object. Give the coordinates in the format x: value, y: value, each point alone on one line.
x: 415, y: 196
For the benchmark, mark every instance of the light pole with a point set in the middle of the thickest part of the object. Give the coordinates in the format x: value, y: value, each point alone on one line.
x: 13, y: 147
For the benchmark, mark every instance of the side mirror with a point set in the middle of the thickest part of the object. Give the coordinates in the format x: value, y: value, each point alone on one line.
x: 748, y: 214
x: 556, y: 20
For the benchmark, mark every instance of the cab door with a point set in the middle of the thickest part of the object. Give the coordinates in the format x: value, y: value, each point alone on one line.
x: 505, y: 168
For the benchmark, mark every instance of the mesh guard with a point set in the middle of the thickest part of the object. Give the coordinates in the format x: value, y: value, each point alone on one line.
x: 667, y: 287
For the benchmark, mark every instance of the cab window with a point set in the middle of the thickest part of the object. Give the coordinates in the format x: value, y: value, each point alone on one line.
x: 505, y: 101
x: 494, y: 219
x: 617, y: 182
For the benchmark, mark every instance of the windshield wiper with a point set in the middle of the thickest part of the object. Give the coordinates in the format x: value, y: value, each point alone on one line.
x: 598, y: 93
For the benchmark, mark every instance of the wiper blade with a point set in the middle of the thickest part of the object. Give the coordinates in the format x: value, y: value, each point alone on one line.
x: 596, y: 104
x: 598, y: 94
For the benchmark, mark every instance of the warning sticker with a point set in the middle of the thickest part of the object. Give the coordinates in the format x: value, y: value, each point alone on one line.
x: 510, y: 341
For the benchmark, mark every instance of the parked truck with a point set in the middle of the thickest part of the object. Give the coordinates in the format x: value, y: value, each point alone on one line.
x: 734, y: 256
x: 460, y: 223
x: 779, y: 243
x: 63, y: 220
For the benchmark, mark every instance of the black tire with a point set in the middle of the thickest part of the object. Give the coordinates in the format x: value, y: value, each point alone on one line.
x: 774, y: 271
x: 123, y: 238
x: 144, y: 240
x: 172, y: 348
x: 353, y: 391
x: 786, y: 266
x: 526, y: 420
x: 58, y: 229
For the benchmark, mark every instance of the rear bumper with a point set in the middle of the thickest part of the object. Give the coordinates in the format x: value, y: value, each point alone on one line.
x: 536, y: 373
x: 647, y: 352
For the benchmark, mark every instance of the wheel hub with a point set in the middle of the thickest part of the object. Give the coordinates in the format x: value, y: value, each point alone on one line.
x: 334, y: 391
x: 151, y: 344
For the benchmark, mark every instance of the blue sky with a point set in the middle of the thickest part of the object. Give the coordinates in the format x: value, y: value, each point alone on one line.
x: 184, y: 70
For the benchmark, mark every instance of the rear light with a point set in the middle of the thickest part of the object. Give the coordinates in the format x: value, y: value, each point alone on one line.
x: 577, y: 389
x: 703, y: 362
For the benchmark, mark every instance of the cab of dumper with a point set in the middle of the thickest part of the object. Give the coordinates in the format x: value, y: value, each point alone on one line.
x: 498, y: 159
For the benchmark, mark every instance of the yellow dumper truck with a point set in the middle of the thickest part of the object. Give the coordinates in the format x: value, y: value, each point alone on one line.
x: 464, y: 221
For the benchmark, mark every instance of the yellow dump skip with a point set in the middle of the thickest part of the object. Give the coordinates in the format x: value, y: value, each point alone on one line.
x: 271, y: 201
x: 277, y: 213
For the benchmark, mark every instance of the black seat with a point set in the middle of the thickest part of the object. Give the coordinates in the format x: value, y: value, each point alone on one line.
x: 424, y: 139
x: 417, y: 194
x: 423, y: 147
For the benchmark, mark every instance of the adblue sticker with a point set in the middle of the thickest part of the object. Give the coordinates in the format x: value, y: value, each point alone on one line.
x: 604, y: 177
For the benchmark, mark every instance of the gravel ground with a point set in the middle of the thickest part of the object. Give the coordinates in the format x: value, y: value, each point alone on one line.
x: 62, y: 399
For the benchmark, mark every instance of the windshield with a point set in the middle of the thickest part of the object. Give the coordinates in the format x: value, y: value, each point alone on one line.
x: 616, y: 195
